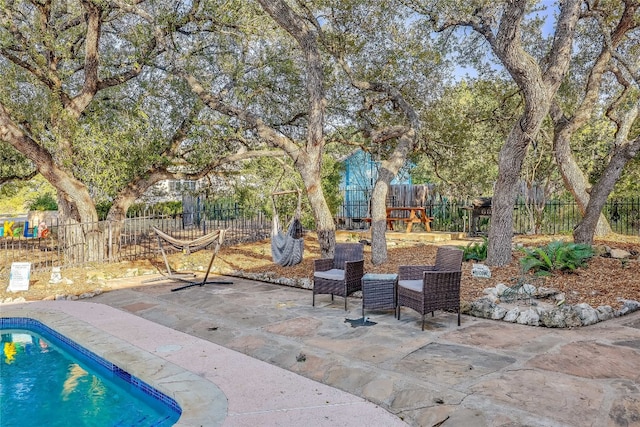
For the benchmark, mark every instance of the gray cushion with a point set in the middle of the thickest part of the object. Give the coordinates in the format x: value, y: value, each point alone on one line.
x: 333, y: 274
x: 414, y: 285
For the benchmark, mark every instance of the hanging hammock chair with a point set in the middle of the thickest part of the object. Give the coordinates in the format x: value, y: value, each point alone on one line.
x: 287, y: 248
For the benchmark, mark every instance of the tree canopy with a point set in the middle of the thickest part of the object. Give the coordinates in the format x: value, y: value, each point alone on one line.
x: 106, y: 98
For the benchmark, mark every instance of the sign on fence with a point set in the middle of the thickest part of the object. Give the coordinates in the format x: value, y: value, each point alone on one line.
x: 19, y: 276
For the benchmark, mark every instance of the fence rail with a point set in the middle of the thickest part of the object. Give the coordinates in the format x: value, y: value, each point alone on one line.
x: 136, y: 240
x: 555, y: 217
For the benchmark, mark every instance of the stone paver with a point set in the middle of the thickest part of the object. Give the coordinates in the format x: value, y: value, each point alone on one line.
x: 483, y: 373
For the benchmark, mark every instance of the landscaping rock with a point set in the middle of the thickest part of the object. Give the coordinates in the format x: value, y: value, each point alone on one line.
x: 481, y: 270
x: 491, y: 294
x: 528, y: 290
x: 561, y: 317
x: 482, y: 308
x: 500, y: 288
x: 498, y: 313
x: 529, y: 317
x: 131, y: 272
x: 512, y: 315
x: 621, y: 312
x: 605, y: 312
x: 588, y: 315
x: 306, y: 283
x: 56, y: 276
x: 619, y: 254
x: 543, y: 292
x: 600, y: 250
x: 631, y: 304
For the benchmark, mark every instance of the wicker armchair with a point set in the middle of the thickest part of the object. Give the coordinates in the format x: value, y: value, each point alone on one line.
x: 340, y: 275
x: 426, y: 288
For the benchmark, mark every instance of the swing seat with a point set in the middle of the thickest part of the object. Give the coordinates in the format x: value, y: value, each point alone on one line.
x: 287, y: 249
x: 215, y: 237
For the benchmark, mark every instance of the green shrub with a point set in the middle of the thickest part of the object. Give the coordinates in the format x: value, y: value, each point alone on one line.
x: 103, y: 210
x: 556, y: 256
x: 43, y: 202
x: 475, y: 250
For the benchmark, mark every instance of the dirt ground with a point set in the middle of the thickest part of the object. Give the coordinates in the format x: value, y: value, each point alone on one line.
x: 603, y: 282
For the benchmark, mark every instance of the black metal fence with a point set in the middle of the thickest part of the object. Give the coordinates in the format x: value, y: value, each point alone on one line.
x: 135, y: 239
x: 555, y: 217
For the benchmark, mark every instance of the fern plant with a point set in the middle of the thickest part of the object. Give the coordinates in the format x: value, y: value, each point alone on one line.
x: 475, y: 250
x: 555, y: 256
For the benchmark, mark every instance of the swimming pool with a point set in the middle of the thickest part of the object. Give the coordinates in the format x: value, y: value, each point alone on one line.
x: 67, y: 384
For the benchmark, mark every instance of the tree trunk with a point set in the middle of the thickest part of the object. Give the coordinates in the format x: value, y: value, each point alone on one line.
x: 388, y: 170
x: 379, y: 217
x: 307, y: 160
x: 505, y: 192
x: 308, y: 164
x: 600, y: 192
x: 325, y: 227
x: 82, y: 239
x: 565, y: 127
x: 538, y: 88
x: 575, y: 180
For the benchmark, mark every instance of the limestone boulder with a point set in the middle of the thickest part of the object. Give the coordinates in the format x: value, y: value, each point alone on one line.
x: 588, y: 315
x: 619, y: 254
x: 561, y: 317
x: 498, y: 313
x: 605, y: 312
x: 512, y: 315
x: 483, y: 308
x: 529, y: 317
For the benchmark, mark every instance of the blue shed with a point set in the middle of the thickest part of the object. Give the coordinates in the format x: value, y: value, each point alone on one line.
x: 360, y: 174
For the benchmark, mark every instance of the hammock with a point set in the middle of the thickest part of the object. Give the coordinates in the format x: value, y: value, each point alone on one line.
x: 187, y: 246
x: 287, y: 248
x: 192, y: 245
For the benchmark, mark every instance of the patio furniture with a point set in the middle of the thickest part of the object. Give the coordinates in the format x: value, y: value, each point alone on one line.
x: 379, y: 291
x: 426, y: 288
x: 287, y: 249
x: 341, y: 274
x: 214, y: 238
x: 417, y: 215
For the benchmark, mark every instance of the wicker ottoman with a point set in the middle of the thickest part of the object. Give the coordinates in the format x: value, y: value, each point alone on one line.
x: 379, y: 291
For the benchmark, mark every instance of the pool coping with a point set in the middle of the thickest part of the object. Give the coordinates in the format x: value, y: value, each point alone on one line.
x: 213, y: 385
x: 167, y: 377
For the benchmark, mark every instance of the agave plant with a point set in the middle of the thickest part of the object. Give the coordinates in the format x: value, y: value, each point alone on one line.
x: 557, y: 255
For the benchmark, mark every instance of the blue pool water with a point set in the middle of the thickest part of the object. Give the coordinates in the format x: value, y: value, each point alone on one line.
x: 48, y: 380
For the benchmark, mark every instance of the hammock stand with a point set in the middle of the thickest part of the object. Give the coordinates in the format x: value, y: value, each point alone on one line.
x: 287, y: 248
x: 216, y: 237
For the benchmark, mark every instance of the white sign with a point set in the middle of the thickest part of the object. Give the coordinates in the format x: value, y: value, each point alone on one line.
x: 19, y: 276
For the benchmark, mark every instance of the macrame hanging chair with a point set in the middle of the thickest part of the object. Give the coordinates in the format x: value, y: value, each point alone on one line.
x: 287, y: 248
